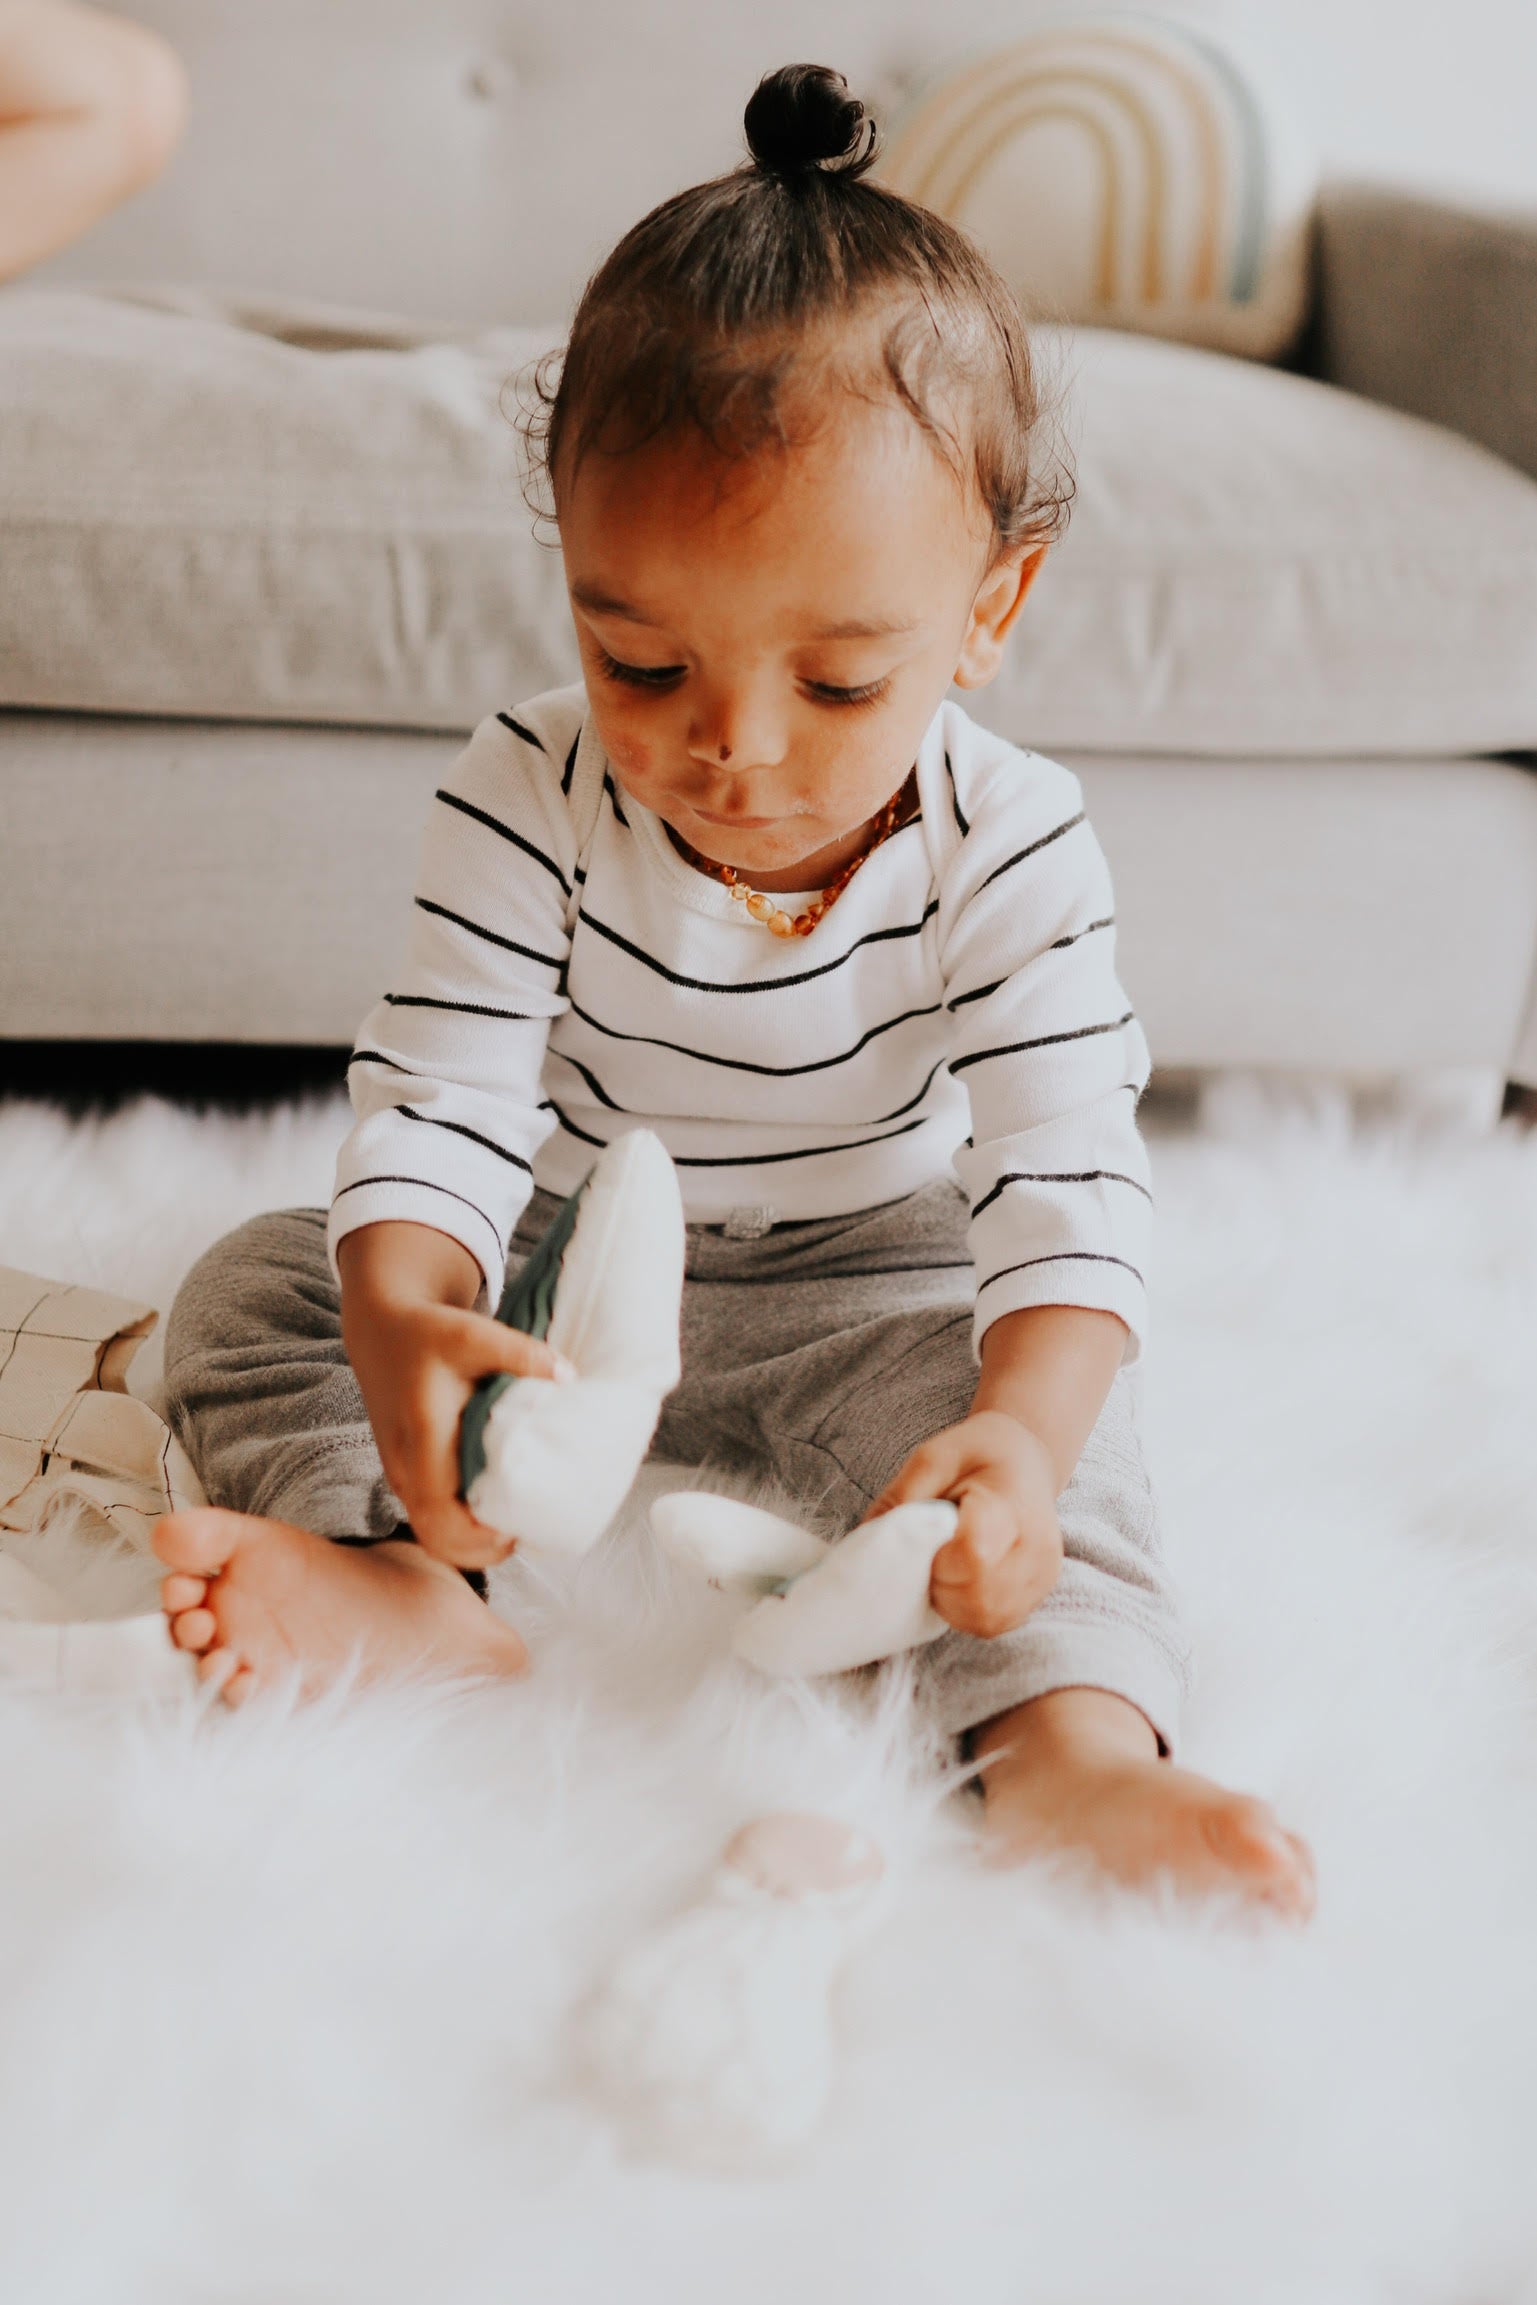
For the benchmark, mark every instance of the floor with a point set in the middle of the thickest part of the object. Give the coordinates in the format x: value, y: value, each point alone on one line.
x: 293, y: 2000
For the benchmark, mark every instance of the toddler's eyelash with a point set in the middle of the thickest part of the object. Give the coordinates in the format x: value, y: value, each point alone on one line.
x: 639, y: 675
x: 871, y: 693
x: 665, y: 675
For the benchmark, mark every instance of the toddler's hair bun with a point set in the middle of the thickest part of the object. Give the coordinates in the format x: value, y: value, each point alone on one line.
x: 803, y: 117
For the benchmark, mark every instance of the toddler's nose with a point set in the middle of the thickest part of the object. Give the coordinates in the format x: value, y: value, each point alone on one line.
x: 742, y: 731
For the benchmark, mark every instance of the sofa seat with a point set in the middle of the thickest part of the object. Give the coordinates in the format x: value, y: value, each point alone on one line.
x: 267, y: 564
x: 206, y: 881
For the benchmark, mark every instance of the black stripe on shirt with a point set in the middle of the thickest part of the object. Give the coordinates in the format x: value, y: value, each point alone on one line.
x: 427, y: 1186
x: 507, y: 943
x: 897, y: 1110
x: 770, y: 984
x: 745, y: 1064
x: 1093, y: 928
x: 495, y: 824
x: 1044, y: 1040
x: 570, y: 768
x: 377, y: 1056
x: 1061, y: 943
x: 518, y: 729
x: 749, y: 1160
x: 1065, y: 1257
x: 431, y: 1120
x: 612, y: 790
x: 1058, y: 1177
x: 601, y: 1093
x: 955, y: 798
x: 462, y: 1007
x: 592, y: 1080
x: 1034, y: 849
x: 979, y: 992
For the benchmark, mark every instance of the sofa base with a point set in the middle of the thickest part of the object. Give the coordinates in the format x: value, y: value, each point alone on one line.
x: 193, y: 881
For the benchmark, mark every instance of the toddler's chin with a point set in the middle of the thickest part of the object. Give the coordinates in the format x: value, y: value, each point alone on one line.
x: 770, y: 851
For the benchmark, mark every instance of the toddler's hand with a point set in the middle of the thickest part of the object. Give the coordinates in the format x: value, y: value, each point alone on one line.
x: 417, y: 1364
x: 1006, y: 1552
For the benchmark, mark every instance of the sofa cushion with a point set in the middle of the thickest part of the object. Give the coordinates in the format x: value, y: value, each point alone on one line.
x: 1261, y: 564
x: 254, y: 513
x: 1122, y: 174
x: 238, y: 513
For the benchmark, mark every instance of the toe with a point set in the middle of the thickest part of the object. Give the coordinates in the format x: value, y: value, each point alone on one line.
x: 217, y: 1667
x: 240, y: 1685
x: 1274, y: 1864
x: 195, y: 1629
x: 179, y: 1592
x: 199, y: 1540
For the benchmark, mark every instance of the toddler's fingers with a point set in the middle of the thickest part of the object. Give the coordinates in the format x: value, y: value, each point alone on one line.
x: 450, y: 1532
x: 931, y: 1471
x: 490, y: 1346
x: 985, y: 1533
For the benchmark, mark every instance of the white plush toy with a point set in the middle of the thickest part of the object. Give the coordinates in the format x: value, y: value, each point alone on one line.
x: 824, y: 1608
x: 711, y: 2037
x: 550, y: 1464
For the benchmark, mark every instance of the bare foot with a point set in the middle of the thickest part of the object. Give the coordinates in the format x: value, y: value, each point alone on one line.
x: 1077, y: 1771
x: 253, y: 1599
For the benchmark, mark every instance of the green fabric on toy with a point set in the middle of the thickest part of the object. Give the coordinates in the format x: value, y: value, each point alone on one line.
x: 527, y: 1303
x: 550, y: 1464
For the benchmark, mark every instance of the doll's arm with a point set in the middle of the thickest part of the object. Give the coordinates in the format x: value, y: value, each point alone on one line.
x: 91, y: 108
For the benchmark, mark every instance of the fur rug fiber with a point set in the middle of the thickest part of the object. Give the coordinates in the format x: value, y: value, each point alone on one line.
x: 288, y: 1998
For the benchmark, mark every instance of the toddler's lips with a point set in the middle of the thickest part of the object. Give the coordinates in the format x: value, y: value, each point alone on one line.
x: 736, y: 823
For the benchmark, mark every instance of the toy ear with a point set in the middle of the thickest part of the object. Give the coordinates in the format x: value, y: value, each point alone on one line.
x: 867, y: 1599
x: 825, y: 1608
x: 550, y: 1464
x: 732, y: 1543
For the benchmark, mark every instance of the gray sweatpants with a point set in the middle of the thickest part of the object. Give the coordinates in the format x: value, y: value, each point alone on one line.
x: 816, y: 1354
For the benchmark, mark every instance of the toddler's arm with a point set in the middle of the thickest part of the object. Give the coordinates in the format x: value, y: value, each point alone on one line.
x: 1048, y: 1050
x: 91, y: 108
x: 418, y: 1350
x: 1053, y: 1061
x: 445, y: 1079
x: 1045, y: 1373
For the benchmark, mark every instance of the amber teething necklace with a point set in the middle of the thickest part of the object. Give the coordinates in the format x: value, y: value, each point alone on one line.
x: 898, y: 811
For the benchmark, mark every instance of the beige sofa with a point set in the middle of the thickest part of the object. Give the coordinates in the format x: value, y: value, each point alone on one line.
x: 264, y: 560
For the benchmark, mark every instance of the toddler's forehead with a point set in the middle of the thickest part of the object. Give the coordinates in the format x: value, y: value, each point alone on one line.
x: 843, y: 447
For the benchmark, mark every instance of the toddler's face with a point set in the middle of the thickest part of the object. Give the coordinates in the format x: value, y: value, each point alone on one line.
x: 765, y: 640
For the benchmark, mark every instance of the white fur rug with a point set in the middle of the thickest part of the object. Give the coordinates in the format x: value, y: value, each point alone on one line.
x: 286, y: 1998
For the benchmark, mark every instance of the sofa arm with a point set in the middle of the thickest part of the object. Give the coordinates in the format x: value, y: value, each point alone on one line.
x: 1433, y: 309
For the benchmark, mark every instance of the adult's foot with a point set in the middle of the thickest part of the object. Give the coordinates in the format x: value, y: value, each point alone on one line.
x: 253, y: 1599
x: 1077, y: 1773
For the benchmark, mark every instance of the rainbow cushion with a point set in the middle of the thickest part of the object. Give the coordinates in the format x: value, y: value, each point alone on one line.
x: 1124, y: 171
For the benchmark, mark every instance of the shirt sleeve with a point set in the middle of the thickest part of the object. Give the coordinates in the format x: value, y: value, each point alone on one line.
x: 445, y: 1078
x: 1049, y: 1051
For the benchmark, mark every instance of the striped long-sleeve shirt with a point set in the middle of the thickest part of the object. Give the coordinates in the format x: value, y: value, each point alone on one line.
x: 957, y: 1008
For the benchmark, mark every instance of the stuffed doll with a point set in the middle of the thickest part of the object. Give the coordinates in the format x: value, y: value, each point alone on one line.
x: 550, y: 1464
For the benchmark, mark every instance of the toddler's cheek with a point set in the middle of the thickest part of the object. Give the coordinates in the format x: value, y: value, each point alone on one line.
x: 631, y: 756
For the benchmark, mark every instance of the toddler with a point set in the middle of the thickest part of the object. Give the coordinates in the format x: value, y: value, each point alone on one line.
x: 757, y: 886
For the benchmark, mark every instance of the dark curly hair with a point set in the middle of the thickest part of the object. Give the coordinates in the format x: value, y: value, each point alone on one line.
x: 701, y: 316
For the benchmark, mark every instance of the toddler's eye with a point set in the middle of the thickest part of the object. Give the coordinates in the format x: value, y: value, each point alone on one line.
x: 871, y: 693
x: 640, y: 675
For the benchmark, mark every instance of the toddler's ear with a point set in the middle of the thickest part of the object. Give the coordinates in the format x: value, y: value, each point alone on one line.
x: 1000, y: 600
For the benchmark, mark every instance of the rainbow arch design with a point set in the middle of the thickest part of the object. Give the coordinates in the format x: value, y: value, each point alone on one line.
x: 1122, y: 170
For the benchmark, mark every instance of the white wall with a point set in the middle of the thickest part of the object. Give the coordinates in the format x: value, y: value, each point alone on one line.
x: 1441, y: 93
x: 469, y: 160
